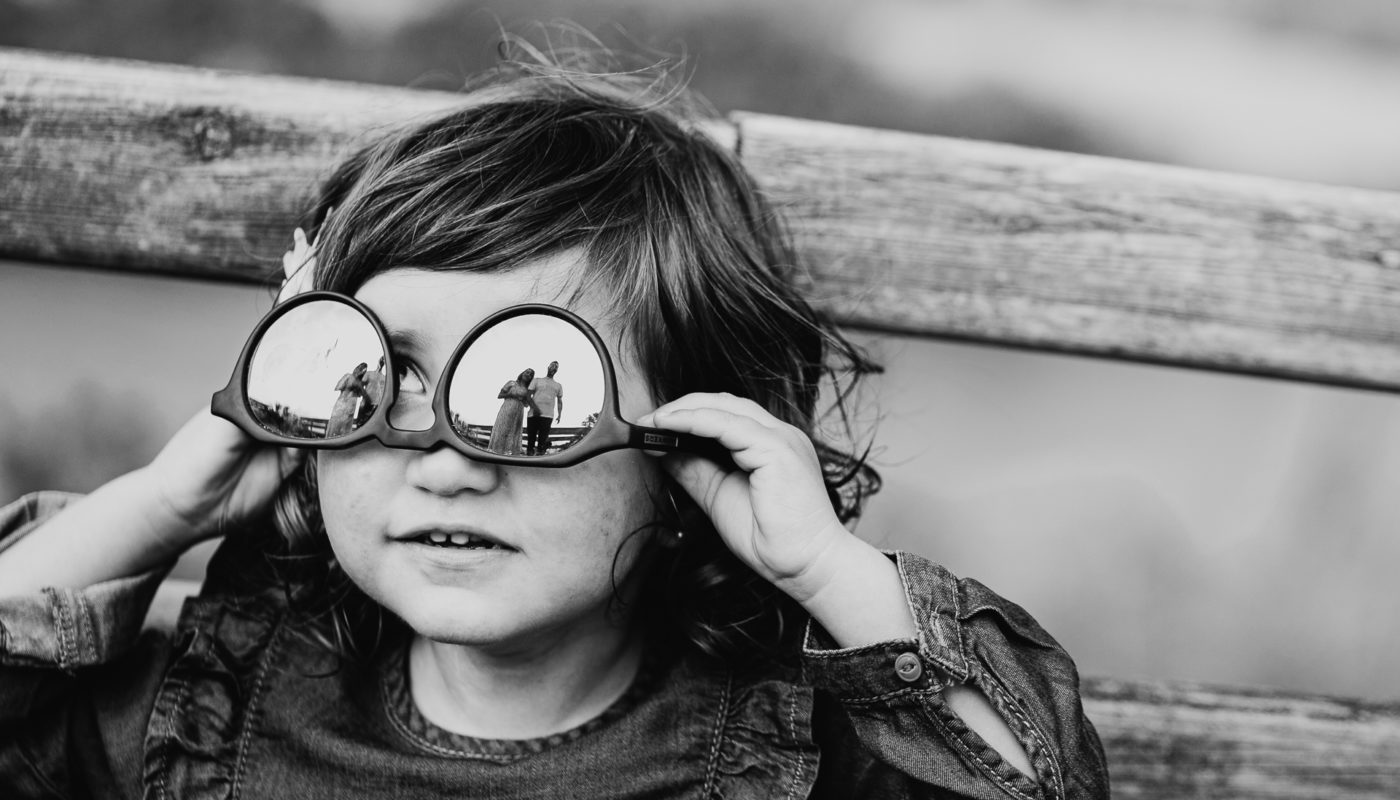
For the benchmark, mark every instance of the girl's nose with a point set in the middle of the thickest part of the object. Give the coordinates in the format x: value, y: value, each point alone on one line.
x: 411, y: 413
x: 444, y: 471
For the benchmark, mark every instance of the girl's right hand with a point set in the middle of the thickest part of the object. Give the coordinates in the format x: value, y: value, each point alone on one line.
x: 298, y: 266
x: 208, y: 478
x: 211, y: 476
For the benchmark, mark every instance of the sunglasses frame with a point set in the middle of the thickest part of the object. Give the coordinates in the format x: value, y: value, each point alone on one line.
x: 610, y: 432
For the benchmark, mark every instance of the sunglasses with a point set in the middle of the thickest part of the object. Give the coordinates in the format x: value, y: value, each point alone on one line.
x: 318, y: 372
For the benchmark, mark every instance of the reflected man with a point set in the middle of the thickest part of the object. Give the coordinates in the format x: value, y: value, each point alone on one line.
x: 548, y: 408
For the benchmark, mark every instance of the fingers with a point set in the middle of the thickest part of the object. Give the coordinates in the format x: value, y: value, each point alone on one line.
x: 298, y: 266
x: 207, y: 433
x: 754, y: 437
x: 211, y: 471
x: 694, y: 473
x: 771, y: 507
x: 723, y: 401
x: 293, y: 259
x: 716, y: 415
x: 751, y: 444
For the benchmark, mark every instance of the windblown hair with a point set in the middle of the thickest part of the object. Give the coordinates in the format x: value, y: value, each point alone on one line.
x: 541, y: 159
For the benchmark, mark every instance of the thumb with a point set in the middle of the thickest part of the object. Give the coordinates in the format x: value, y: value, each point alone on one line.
x: 298, y: 267
x: 699, y: 477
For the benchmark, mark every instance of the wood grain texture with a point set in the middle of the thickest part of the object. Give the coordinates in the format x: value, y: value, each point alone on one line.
x: 158, y: 168
x: 1173, y: 741
x: 1062, y: 252
x: 197, y: 172
x: 131, y: 166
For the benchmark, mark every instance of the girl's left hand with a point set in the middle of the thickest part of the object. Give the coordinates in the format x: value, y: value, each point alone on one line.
x: 773, y: 511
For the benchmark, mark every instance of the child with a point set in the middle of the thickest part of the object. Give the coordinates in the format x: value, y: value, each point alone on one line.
x: 429, y: 619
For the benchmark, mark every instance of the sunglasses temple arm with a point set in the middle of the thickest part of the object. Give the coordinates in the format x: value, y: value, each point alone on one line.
x: 664, y: 441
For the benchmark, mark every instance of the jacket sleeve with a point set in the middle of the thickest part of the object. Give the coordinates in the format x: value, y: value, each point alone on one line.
x: 75, y: 676
x: 891, y: 694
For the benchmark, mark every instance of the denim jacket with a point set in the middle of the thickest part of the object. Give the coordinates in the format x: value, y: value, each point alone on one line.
x: 235, y: 703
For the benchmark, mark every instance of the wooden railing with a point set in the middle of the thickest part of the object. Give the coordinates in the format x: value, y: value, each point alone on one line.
x: 189, y: 172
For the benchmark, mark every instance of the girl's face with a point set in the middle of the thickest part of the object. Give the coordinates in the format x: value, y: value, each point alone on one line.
x: 555, y: 533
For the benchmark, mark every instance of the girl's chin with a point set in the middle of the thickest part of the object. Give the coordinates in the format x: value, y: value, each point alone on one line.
x: 501, y: 625
x: 497, y: 610
x: 463, y: 621
x: 462, y: 633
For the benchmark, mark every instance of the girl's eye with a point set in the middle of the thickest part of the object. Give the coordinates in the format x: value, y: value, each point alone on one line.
x: 409, y: 379
x: 411, y: 409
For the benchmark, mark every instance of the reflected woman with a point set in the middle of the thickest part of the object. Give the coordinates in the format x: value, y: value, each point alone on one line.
x: 347, y: 406
x: 374, y: 393
x: 506, y: 433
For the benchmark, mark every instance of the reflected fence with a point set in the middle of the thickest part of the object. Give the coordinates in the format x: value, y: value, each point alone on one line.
x: 559, y: 438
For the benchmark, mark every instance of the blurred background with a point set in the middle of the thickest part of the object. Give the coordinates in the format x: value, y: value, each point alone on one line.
x: 1161, y: 523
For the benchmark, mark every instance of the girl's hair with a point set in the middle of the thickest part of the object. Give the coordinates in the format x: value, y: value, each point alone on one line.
x: 544, y: 158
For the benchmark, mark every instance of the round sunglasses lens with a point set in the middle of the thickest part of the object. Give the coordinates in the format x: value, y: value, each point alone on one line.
x: 317, y: 372
x: 530, y: 385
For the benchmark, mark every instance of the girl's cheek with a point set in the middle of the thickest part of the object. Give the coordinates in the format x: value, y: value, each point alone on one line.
x: 621, y: 493
x: 590, y: 507
x: 348, y: 481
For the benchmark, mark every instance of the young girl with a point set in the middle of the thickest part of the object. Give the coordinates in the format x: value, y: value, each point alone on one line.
x: 395, y: 611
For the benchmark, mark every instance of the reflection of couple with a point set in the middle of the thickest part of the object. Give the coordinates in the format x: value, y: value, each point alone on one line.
x: 545, y: 399
x: 360, y: 391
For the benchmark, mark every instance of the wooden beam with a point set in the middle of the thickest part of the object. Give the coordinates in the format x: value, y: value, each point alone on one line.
x: 1054, y: 251
x: 196, y: 172
x: 159, y: 168
x: 1172, y: 741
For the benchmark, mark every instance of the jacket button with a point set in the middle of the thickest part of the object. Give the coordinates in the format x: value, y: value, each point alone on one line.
x: 907, y: 667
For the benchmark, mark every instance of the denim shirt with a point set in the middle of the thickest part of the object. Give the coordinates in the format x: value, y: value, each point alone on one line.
x: 238, y: 702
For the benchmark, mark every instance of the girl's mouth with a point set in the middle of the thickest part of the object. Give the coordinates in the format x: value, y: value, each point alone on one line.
x: 457, y: 541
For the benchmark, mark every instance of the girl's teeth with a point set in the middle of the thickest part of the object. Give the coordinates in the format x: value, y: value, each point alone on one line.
x: 443, y: 539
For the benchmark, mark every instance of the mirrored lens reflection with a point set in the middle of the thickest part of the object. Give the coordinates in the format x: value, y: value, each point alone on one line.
x: 317, y: 373
x: 530, y: 385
